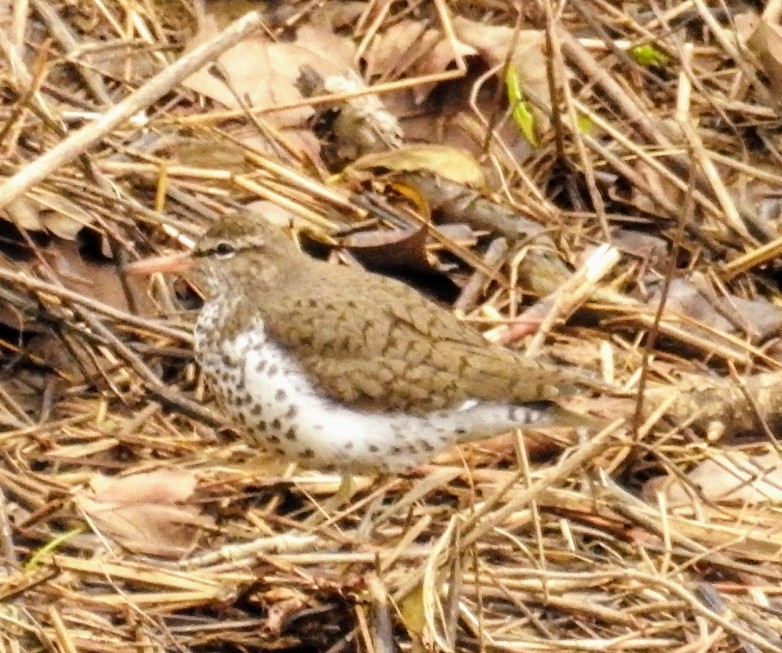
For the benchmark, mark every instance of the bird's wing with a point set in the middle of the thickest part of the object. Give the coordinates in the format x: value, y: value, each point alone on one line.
x: 383, y: 341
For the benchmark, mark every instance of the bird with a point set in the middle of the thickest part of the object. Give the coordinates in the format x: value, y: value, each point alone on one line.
x: 337, y: 368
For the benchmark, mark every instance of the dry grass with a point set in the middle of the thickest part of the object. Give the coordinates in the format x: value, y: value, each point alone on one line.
x: 502, y: 546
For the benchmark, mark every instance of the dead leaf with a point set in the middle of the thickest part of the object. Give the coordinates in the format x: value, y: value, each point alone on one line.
x: 492, y: 42
x: 766, y: 43
x: 41, y: 210
x: 759, y: 317
x: 448, y: 162
x: 99, y: 281
x: 263, y: 72
x: 160, y: 486
x: 24, y: 213
x: 141, y: 513
x: 727, y: 477
x: 59, y: 215
x: 396, y: 49
x: 384, y: 248
x: 685, y: 298
x: 210, y: 154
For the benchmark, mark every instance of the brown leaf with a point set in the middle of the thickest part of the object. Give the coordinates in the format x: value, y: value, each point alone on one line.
x: 730, y: 476
x: 492, y: 42
x: 140, y: 511
x: 99, y: 281
x: 24, y: 213
x: 160, y: 486
x: 383, y: 248
x: 263, y: 72
x: 766, y: 43
x: 394, y: 50
x: 451, y: 163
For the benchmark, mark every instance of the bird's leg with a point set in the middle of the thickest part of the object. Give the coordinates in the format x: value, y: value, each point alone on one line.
x: 324, y: 510
x: 345, y: 491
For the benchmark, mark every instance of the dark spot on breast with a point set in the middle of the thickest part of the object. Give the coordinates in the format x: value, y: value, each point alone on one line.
x: 225, y: 359
x: 260, y: 366
x: 290, y: 434
x: 280, y: 451
x: 273, y: 370
x: 276, y: 424
x: 262, y: 425
x: 293, y: 410
x: 460, y: 431
x: 308, y: 454
x: 396, y: 450
x: 257, y: 409
x: 349, y: 445
x: 274, y: 439
x: 280, y: 394
x: 373, y: 448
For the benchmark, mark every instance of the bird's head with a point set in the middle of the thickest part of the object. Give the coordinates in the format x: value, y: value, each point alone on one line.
x: 240, y: 250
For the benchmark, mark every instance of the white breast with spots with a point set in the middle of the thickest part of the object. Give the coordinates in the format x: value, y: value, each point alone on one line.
x: 267, y: 393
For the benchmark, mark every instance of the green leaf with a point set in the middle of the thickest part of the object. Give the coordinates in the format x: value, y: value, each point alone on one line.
x: 649, y: 56
x: 520, y: 112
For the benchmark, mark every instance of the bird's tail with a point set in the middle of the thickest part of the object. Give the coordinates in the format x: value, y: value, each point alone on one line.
x: 561, y: 417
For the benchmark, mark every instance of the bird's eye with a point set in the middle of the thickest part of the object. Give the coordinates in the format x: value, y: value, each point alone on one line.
x: 224, y: 250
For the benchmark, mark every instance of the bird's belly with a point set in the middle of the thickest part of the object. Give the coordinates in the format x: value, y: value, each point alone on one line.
x: 265, y: 391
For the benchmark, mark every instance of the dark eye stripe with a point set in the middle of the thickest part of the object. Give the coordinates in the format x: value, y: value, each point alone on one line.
x: 219, y: 249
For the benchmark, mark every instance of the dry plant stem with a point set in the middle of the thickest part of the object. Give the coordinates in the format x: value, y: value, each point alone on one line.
x: 682, y: 531
x: 493, y: 257
x: 84, y: 306
x: 638, y: 119
x: 337, y: 98
x: 78, y: 142
x: 21, y: 280
x: 684, y: 120
x: 61, y: 631
x: 278, y: 544
x: 753, y: 405
x: 754, y: 258
x: 65, y: 38
x: 711, y: 343
x: 264, y: 192
x: 618, y: 48
x: 19, y: 27
x: 482, y: 521
x: 586, y: 163
x: 22, y: 78
x: 306, y: 184
x: 653, y: 162
x: 686, y: 216
x: 381, y: 624
x: 729, y: 40
x: 171, y: 397
x: 313, y: 217
x: 7, y: 547
x: 574, y: 293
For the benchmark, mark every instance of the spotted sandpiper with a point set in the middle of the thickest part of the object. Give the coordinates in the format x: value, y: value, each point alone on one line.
x: 334, y: 367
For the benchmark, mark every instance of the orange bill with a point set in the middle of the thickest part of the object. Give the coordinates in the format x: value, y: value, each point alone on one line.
x: 170, y: 263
